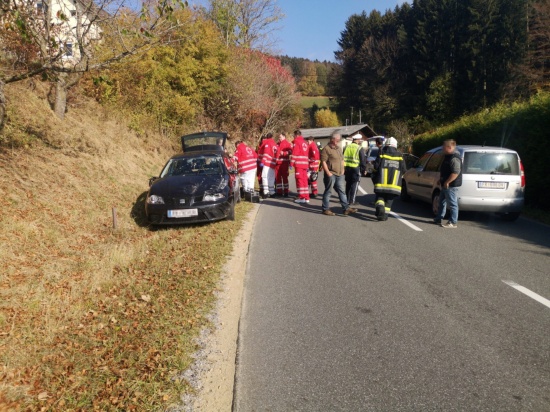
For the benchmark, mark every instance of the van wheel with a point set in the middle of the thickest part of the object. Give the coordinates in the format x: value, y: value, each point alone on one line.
x: 435, y: 202
x: 404, y: 194
x: 509, y: 217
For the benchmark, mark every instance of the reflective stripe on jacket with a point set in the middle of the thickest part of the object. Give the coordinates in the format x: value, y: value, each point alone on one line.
x: 390, y: 173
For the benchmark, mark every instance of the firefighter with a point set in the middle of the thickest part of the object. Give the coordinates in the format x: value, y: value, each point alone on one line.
x: 268, y: 158
x: 389, y: 168
x: 300, y: 162
x: 314, y: 160
x: 355, y: 163
x: 246, y: 159
x: 284, y: 150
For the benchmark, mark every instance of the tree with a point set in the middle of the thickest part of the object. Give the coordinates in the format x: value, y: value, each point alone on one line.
x: 259, y: 96
x: 246, y: 23
x: 186, y: 73
x: 61, y: 45
x: 326, y: 118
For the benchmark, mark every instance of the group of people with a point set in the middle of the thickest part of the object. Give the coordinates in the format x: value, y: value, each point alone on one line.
x: 271, y: 164
x: 342, y: 172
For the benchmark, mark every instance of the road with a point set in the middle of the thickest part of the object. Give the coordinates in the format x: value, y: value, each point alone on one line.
x: 351, y: 314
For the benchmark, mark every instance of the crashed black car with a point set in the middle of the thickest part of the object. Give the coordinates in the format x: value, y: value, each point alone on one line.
x: 198, y: 185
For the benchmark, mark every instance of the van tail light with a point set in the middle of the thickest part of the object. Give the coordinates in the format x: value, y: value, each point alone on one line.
x: 522, y: 172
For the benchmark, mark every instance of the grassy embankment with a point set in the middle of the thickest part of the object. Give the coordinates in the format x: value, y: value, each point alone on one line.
x: 520, y: 126
x: 93, y: 317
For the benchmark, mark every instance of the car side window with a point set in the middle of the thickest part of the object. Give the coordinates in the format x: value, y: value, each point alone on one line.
x: 421, y: 163
x: 435, y: 162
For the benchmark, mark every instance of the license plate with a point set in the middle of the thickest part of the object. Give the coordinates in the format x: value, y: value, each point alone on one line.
x: 491, y: 185
x: 183, y: 213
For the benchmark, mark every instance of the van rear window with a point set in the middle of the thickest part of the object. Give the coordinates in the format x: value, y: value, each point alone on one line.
x: 490, y: 163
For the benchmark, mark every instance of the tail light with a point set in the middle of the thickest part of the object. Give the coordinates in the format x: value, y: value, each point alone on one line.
x: 522, y: 172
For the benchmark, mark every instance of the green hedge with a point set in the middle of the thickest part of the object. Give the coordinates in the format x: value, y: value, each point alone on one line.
x: 524, y: 127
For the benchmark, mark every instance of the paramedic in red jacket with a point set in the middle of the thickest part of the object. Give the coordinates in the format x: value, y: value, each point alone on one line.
x: 246, y: 159
x: 300, y: 162
x: 314, y: 158
x: 268, y: 160
x: 284, y: 150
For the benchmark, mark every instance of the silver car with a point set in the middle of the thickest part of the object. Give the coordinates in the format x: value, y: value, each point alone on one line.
x: 492, y: 180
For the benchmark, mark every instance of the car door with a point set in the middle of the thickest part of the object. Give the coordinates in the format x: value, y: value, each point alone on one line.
x: 424, y: 178
x: 413, y: 176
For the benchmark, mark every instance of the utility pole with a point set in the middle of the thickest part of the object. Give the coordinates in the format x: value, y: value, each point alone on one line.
x: 359, y: 116
x: 351, y: 122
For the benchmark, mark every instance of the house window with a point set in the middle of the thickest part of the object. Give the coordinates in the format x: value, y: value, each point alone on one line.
x: 68, y: 50
x: 41, y: 7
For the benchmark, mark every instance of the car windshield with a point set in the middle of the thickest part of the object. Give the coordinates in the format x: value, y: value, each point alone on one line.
x: 491, y: 163
x: 189, y: 166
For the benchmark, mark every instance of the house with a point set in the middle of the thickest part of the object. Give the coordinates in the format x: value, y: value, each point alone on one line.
x: 71, y: 22
x: 322, y: 135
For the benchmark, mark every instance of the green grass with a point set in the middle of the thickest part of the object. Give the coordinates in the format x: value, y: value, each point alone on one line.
x: 320, y: 101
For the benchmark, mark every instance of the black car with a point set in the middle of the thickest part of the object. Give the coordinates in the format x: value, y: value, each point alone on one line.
x: 198, y: 185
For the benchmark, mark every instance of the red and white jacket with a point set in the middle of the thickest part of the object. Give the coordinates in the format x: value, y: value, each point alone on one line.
x: 268, y: 153
x: 245, y: 157
x: 314, y: 156
x: 284, y: 150
x: 300, y: 154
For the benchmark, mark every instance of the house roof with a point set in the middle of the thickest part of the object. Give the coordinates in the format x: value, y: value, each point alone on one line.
x: 326, y: 132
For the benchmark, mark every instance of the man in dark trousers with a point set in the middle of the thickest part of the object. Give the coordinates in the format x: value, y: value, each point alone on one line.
x: 355, y: 162
x: 389, y: 168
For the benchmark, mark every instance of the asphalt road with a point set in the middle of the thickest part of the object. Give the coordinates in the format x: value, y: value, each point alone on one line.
x: 351, y: 314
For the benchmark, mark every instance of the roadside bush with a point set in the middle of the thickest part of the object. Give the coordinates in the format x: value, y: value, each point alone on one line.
x: 521, y: 126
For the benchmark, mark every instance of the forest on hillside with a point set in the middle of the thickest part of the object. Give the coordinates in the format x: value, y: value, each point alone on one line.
x: 431, y: 61
x: 172, y: 68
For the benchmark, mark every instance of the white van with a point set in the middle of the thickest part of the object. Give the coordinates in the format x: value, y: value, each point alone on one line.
x: 493, y: 180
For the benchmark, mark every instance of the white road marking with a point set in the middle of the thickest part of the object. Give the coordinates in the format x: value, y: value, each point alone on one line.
x: 363, y: 191
x: 528, y: 292
x: 406, y: 222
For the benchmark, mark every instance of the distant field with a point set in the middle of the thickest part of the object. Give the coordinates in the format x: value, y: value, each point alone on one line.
x: 321, y: 101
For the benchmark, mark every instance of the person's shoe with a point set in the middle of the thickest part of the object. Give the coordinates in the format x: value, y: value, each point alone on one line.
x: 380, y: 212
x: 437, y: 221
x: 300, y: 200
x: 285, y: 195
x: 313, y: 196
x: 350, y: 210
x: 265, y: 196
x: 449, y: 225
x: 329, y: 212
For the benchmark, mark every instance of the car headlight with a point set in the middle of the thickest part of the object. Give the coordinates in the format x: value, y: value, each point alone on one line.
x: 155, y: 200
x: 212, y: 197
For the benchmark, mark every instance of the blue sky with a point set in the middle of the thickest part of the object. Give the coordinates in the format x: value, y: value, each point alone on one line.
x: 311, y: 28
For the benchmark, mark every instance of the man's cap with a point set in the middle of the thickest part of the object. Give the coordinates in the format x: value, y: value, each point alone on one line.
x: 392, y: 141
x: 357, y: 136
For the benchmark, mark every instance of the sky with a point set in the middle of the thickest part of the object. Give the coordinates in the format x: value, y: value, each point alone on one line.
x: 312, y: 28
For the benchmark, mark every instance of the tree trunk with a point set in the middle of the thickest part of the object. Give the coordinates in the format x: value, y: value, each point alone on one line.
x: 60, y: 98
x: 2, y: 105
x: 64, y: 82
